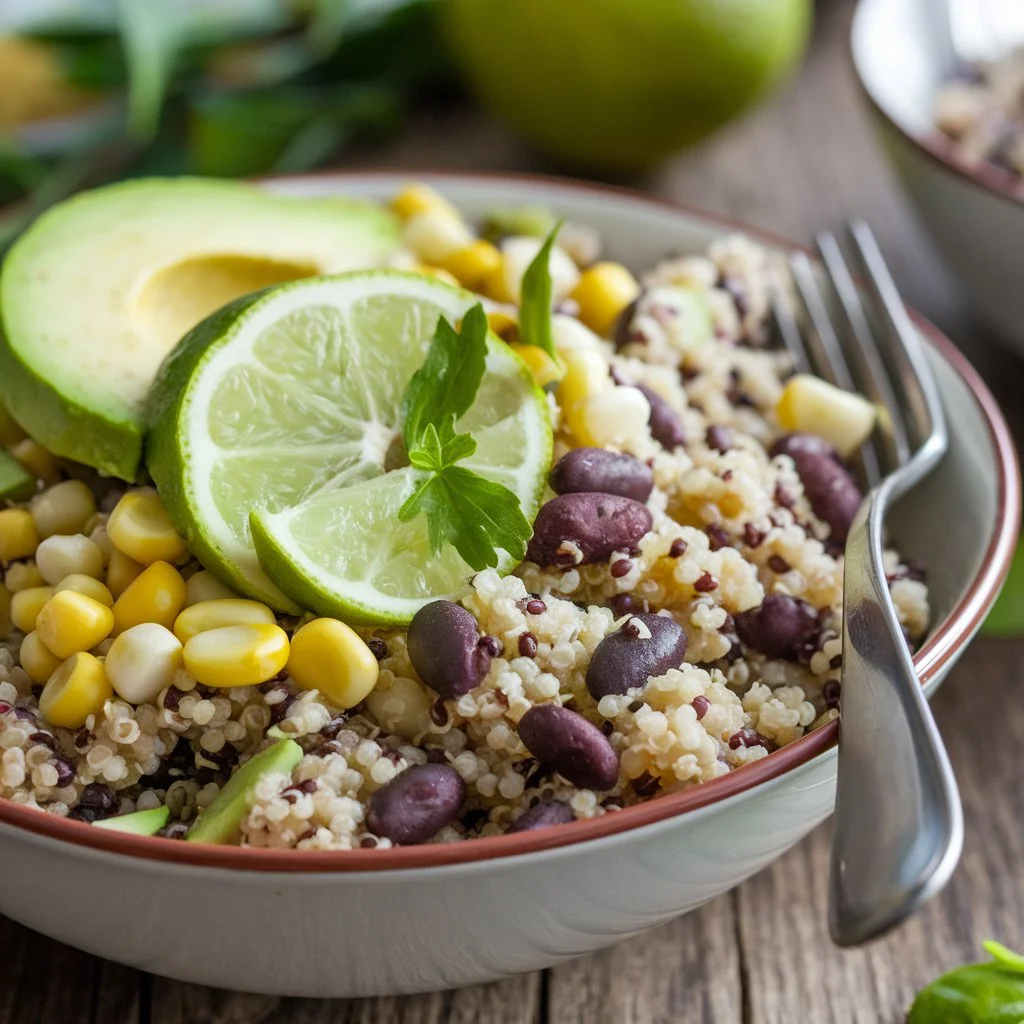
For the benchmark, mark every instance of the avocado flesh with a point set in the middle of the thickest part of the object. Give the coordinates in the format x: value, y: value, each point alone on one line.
x: 221, y: 822
x: 97, y: 292
x: 138, y: 823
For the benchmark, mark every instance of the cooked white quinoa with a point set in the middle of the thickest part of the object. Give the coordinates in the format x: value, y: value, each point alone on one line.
x: 730, y: 525
x: 982, y: 111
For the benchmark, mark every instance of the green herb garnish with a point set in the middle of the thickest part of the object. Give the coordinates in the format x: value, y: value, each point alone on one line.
x: 464, y: 509
x: 535, y: 301
x: 988, y: 993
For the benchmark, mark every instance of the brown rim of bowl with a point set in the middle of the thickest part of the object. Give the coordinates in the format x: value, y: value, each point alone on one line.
x: 954, y: 630
x: 941, y: 149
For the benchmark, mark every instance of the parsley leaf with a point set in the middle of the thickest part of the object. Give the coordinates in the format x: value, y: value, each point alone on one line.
x: 439, y: 449
x: 535, y: 298
x: 444, y: 387
x: 475, y: 515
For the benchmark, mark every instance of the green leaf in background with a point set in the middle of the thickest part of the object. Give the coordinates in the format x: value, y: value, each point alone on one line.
x: 988, y: 993
x: 152, y: 35
x: 1007, y: 615
x: 535, y: 304
x: 327, y: 23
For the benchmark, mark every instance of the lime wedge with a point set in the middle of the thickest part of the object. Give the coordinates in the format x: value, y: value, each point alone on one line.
x: 283, y: 411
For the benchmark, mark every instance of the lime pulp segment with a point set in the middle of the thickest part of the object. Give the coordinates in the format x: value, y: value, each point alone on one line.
x: 285, y: 412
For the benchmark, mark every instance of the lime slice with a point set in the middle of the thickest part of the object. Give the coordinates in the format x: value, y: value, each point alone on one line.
x: 286, y: 405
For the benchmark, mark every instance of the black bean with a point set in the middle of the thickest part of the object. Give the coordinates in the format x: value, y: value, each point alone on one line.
x: 623, y: 604
x: 528, y: 645
x: 666, y: 426
x: 602, y: 472
x: 378, y: 648
x: 65, y: 770
x: 547, y: 812
x: 446, y: 650
x: 571, y: 745
x: 415, y: 805
x: 622, y: 335
x: 831, y: 490
x: 718, y: 437
x: 598, y: 524
x: 780, y: 627
x: 624, y: 661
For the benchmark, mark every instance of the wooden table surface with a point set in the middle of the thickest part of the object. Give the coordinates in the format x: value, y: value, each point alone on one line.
x: 761, y: 954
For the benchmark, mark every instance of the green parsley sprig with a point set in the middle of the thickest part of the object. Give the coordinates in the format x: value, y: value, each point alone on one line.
x: 464, y: 509
x: 535, y: 298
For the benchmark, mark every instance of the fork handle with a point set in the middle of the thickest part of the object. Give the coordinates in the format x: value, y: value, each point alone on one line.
x: 898, y: 823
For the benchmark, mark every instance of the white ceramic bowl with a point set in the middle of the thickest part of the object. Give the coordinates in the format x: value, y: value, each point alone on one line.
x: 372, y: 922
x: 902, y: 53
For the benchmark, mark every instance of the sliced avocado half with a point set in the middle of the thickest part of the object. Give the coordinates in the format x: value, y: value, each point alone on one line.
x: 101, y: 287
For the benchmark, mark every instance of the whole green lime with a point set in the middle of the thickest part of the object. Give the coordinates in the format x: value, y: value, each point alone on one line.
x: 617, y: 85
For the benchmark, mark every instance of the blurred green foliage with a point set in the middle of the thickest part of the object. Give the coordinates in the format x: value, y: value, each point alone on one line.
x: 221, y: 87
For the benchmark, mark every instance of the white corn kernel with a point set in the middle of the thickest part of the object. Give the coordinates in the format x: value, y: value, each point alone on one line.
x: 616, y: 417
x: 60, y: 556
x: 518, y: 252
x: 812, y: 405
x: 63, y: 508
x: 142, y: 661
x: 204, y: 586
x: 434, y: 235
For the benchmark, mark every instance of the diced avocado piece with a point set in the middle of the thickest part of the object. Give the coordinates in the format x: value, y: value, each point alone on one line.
x: 221, y: 821
x: 141, y: 823
x: 15, y: 481
x: 102, y: 286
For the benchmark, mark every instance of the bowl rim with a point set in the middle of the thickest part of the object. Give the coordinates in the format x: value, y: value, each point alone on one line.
x: 957, y: 627
x: 935, y: 146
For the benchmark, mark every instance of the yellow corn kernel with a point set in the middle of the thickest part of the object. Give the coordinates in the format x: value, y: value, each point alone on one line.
x: 60, y: 556
x: 435, y: 235
x: 26, y: 606
x: 546, y: 371
x: 71, y: 622
x: 19, y: 537
x: 88, y: 585
x: 38, y: 661
x: 22, y: 575
x: 431, y: 271
x: 140, y: 527
x: 78, y: 689
x: 230, y: 611
x: 5, y: 611
x: 603, y: 292
x: 495, y: 286
x: 418, y: 198
x: 504, y: 326
x: 141, y: 662
x: 204, y: 586
x: 37, y: 460
x: 473, y: 264
x: 156, y: 595
x: 812, y: 405
x: 328, y: 656
x: 586, y: 375
x: 121, y: 572
x: 64, y: 508
x: 237, y: 655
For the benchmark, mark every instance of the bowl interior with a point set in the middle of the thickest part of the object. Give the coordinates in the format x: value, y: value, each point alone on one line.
x: 947, y: 523
x: 903, y: 52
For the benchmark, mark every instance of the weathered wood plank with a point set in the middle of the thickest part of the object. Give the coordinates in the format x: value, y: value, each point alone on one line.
x: 687, y: 972
x: 516, y: 1001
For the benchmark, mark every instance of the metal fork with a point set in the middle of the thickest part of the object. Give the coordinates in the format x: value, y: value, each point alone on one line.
x: 984, y: 30
x: 898, y: 827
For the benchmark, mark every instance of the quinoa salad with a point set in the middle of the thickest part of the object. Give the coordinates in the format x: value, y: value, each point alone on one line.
x: 675, y: 618
x: 982, y: 111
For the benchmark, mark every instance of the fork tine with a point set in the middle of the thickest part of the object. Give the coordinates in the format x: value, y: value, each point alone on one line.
x: 869, y: 367
x: 789, y: 331
x: 914, y: 374
x: 826, y: 351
